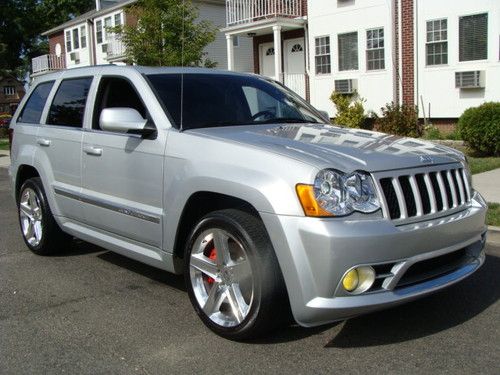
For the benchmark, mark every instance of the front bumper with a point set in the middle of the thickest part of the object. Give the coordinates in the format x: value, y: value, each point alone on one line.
x: 315, y: 253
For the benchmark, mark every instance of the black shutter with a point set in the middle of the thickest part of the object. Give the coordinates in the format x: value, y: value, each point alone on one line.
x: 473, y: 37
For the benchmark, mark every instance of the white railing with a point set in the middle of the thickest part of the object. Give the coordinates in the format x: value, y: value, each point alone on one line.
x: 46, y: 63
x: 245, y: 11
x: 116, y: 48
x: 295, y: 82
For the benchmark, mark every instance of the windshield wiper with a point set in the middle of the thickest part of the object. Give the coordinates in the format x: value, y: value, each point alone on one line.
x: 286, y: 120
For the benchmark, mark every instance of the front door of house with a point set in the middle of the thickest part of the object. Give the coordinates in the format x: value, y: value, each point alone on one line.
x: 267, y: 59
x: 294, y: 56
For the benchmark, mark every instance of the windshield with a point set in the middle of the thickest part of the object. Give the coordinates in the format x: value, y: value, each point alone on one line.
x: 211, y: 100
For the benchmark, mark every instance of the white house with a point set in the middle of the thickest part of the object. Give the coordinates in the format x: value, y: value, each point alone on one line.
x: 85, y: 41
x: 442, y: 55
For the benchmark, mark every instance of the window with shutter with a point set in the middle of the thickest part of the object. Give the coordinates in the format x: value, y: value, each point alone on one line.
x: 348, y: 51
x: 473, y: 37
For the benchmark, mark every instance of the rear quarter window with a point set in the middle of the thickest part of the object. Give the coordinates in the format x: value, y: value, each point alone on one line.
x: 32, y: 110
x: 68, y: 106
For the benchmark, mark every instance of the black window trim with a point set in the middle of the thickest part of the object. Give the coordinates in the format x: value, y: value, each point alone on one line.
x: 53, y: 96
x: 53, y: 81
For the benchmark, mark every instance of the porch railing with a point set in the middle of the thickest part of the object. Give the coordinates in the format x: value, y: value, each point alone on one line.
x: 245, y: 11
x: 116, y: 48
x: 46, y: 63
x: 295, y: 82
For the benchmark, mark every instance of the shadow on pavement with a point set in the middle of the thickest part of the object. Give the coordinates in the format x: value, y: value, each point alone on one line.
x: 155, y: 274
x: 427, y: 316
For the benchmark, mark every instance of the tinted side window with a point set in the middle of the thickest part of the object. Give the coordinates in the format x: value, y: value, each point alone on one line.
x: 68, y: 106
x: 33, y: 109
x: 116, y: 92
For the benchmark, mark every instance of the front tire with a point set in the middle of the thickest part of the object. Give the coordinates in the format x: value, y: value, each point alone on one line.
x: 233, y: 277
x: 40, y: 232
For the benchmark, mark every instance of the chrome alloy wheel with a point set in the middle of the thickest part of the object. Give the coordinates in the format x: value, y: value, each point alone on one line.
x: 221, y: 277
x: 30, y: 213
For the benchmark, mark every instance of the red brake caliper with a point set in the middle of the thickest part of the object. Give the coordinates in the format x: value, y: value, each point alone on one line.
x: 212, y: 255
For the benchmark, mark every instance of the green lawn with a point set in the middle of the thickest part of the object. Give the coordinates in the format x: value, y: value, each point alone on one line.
x: 4, y: 144
x: 478, y: 165
x: 493, y: 215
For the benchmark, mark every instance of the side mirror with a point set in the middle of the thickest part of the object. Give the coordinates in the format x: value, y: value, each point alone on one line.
x: 325, y: 115
x: 124, y: 120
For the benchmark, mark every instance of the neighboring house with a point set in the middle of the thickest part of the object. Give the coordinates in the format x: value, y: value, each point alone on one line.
x: 84, y: 40
x: 11, y: 93
x: 442, y: 55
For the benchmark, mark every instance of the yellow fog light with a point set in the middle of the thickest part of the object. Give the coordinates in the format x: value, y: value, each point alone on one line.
x: 359, y: 279
x: 350, y: 280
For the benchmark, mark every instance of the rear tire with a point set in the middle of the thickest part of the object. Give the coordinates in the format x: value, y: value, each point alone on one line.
x: 233, y: 277
x: 40, y: 231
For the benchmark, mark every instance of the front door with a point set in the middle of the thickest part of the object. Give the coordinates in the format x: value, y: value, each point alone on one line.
x: 267, y: 59
x: 122, y: 174
x: 294, y: 56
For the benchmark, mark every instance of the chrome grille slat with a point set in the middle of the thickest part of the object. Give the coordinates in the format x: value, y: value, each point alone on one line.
x: 401, y: 199
x: 442, y: 189
x: 452, y: 188
x: 430, y: 191
x: 408, y: 195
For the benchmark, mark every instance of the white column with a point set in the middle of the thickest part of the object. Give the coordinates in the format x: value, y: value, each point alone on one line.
x: 277, y: 52
x: 230, y: 52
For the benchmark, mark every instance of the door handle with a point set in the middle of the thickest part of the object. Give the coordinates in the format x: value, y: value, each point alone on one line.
x: 43, y: 142
x: 91, y: 150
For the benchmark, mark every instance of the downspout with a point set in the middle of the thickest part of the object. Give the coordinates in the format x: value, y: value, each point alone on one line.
x: 415, y: 31
x: 92, y: 52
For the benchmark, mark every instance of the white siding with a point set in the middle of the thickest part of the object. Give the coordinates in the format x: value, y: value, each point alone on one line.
x: 437, y: 83
x: 82, y: 54
x: 330, y: 18
x: 217, y: 50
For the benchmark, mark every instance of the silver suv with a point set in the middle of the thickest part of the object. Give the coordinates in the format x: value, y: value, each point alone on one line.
x: 268, y: 210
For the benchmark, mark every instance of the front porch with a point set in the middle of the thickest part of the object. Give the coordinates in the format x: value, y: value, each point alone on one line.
x: 277, y: 28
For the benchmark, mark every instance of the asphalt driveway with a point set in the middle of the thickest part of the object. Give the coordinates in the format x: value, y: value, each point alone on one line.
x: 92, y: 311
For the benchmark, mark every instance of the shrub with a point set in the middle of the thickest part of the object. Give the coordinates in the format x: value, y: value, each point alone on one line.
x: 350, y: 109
x: 400, y: 120
x: 432, y: 132
x: 479, y: 127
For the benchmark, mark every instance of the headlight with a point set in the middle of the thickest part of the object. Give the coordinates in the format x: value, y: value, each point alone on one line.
x: 337, y: 194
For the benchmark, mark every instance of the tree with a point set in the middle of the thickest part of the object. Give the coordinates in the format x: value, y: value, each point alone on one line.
x: 166, y: 33
x: 21, y: 25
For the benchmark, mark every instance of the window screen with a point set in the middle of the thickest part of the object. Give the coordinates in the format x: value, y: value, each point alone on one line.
x: 348, y: 51
x: 33, y: 108
x: 473, y: 37
x: 68, y: 106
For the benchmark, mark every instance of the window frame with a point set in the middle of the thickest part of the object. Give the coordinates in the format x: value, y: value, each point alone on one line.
x: 9, y: 90
x: 21, y: 112
x: 54, y: 95
x: 375, y: 49
x: 436, y: 42
x: 68, y: 40
x: 100, y: 25
x: 339, y: 52
x: 486, y: 13
x: 319, y: 47
x: 83, y: 36
x: 97, y: 97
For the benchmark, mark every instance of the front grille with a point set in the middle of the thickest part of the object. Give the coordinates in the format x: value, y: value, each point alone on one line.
x: 414, y: 195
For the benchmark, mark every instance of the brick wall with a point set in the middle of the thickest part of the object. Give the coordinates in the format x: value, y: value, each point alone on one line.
x: 407, y: 52
x: 8, y: 103
x: 54, y: 39
x: 304, y: 7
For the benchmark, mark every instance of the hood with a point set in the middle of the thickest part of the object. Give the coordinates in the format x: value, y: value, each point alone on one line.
x: 328, y: 146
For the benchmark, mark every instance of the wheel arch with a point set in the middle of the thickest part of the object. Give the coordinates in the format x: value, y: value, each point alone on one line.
x: 24, y: 172
x: 198, y: 205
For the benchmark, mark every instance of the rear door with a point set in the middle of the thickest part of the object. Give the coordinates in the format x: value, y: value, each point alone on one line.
x: 123, y: 173
x: 59, y: 142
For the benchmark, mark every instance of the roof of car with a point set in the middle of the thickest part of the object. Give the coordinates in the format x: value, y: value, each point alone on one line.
x: 120, y: 69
